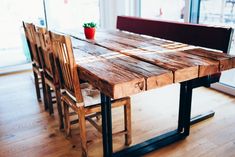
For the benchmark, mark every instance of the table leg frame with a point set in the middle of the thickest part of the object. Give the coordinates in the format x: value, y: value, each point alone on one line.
x: 156, y: 142
x: 203, y: 81
x: 202, y: 117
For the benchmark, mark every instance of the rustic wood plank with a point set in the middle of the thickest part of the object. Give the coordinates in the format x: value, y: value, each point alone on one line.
x: 132, y: 42
x: 206, y: 67
x: 163, y: 43
x: 145, y: 43
x: 175, y: 45
x: 151, y: 41
x: 167, y: 50
x: 181, y: 71
x: 155, y: 76
x: 226, y: 61
x: 130, y: 37
x: 113, y: 80
x: 140, y: 42
x: 139, y: 37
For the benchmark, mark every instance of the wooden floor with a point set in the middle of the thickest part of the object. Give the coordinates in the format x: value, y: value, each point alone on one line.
x: 26, y: 130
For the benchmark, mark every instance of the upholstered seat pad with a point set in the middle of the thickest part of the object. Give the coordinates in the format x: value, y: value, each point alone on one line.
x: 91, y: 96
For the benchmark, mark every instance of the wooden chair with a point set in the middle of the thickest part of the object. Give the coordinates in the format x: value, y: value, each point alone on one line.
x: 51, y: 79
x: 218, y: 38
x: 36, y: 63
x: 72, y: 96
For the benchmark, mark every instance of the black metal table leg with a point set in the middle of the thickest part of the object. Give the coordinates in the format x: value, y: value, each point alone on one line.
x: 169, y: 137
x: 157, y: 142
x: 106, y: 125
x: 203, y: 81
x: 202, y: 117
x: 185, y: 107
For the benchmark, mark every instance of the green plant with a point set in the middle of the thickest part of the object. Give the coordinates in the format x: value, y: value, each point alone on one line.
x: 89, y: 25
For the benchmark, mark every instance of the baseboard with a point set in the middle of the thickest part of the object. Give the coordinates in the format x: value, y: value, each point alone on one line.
x: 16, y: 69
x: 224, y: 88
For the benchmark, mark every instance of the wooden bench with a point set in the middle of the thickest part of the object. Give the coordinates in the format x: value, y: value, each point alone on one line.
x: 213, y: 37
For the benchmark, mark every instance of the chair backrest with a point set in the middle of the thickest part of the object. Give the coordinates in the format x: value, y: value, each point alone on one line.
x: 218, y: 38
x: 29, y: 29
x: 65, y: 62
x: 45, y: 51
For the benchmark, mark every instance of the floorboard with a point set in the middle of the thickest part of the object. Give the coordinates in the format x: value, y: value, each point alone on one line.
x: 27, y: 130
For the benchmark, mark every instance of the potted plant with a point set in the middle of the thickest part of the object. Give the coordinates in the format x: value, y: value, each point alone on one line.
x: 89, y: 30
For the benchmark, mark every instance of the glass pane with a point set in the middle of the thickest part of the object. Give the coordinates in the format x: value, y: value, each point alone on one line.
x: 167, y: 9
x: 65, y: 14
x: 13, y: 47
x: 220, y: 12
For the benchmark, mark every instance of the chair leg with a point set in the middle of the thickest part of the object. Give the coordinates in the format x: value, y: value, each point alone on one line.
x: 49, y: 100
x: 45, y: 94
x: 127, y: 118
x: 82, y: 126
x: 59, y: 108
x: 66, y: 118
x: 36, y: 83
x: 46, y: 99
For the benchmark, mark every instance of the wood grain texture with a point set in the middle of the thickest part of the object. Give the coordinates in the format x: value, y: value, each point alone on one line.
x: 27, y: 130
x: 166, y: 54
x: 182, y: 71
x: 155, y: 76
x: 143, y: 38
x: 226, y: 61
x: 113, y: 80
x: 206, y: 66
x: 30, y: 34
x: 140, y: 41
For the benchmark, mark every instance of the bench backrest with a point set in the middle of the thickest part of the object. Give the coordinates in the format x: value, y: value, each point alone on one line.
x: 213, y: 37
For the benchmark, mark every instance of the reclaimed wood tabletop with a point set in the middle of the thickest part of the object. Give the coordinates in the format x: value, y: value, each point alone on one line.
x: 121, y: 63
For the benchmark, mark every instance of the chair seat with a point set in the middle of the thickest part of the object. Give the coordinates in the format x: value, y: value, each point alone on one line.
x: 90, y: 94
x: 91, y: 97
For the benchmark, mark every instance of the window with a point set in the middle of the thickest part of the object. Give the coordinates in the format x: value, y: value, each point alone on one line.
x: 13, y: 48
x: 220, y: 12
x: 173, y: 10
x: 71, y: 14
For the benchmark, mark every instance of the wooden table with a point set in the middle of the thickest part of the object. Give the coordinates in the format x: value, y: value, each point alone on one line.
x: 121, y: 64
